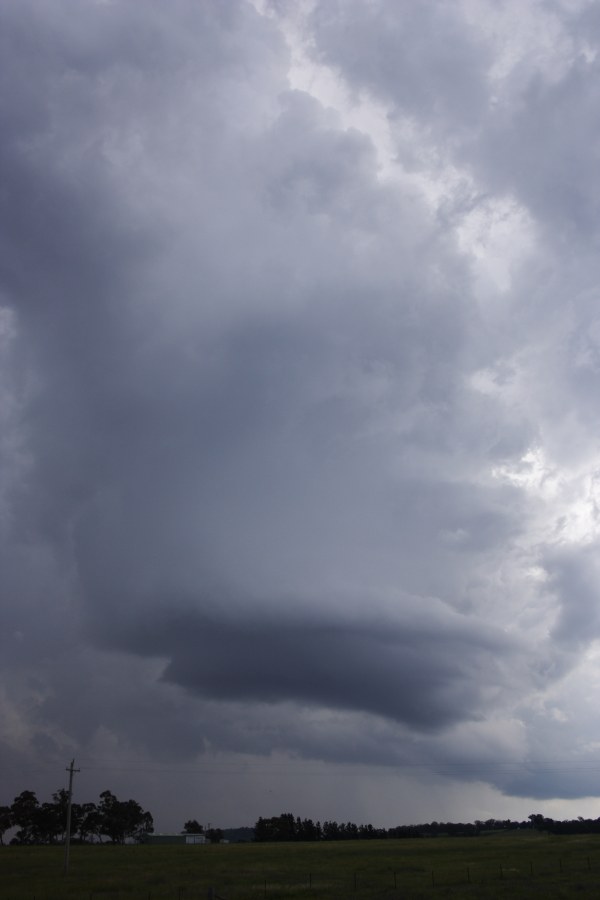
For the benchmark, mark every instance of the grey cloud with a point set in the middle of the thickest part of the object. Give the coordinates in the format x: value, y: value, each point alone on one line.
x: 251, y: 487
x: 424, y: 57
x: 573, y: 576
x: 557, y: 185
x: 528, y: 134
x: 418, y: 673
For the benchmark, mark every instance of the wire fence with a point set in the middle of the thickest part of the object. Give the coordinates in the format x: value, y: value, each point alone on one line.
x: 522, y: 877
x: 530, y: 877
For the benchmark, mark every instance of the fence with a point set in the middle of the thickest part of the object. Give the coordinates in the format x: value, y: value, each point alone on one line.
x: 522, y: 878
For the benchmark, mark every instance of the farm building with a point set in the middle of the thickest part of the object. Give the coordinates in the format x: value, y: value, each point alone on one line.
x: 175, y: 839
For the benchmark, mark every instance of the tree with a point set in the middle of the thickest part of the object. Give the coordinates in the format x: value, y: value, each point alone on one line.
x: 56, y: 815
x: 214, y: 835
x: 123, y: 820
x: 331, y: 831
x: 49, y: 823
x: 277, y: 828
x: 89, y: 821
x: 24, y: 814
x: 306, y: 830
x: 193, y: 827
x: 6, y: 821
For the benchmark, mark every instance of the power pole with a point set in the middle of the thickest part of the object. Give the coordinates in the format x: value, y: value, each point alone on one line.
x: 71, y: 770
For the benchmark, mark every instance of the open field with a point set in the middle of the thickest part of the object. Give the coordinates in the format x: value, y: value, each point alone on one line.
x: 519, y: 864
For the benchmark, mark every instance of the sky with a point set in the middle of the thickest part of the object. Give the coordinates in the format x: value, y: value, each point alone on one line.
x: 299, y: 378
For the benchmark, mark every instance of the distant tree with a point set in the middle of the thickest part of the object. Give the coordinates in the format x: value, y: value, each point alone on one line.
x: 276, y: 828
x: 306, y: 830
x: 537, y: 821
x: 24, y: 812
x: 57, y: 816
x: 6, y: 821
x: 331, y: 831
x: 214, y: 835
x: 286, y: 828
x: 193, y: 827
x: 89, y: 822
x: 50, y: 823
x: 261, y: 830
x: 122, y: 820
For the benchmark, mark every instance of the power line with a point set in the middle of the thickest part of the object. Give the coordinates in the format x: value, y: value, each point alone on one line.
x: 472, y: 767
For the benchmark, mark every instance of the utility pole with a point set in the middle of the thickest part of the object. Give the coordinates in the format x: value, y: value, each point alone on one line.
x: 71, y: 770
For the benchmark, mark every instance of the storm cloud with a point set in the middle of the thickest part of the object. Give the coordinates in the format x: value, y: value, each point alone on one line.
x: 299, y: 357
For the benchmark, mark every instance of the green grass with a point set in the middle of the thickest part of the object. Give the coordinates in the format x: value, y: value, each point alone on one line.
x: 515, y: 865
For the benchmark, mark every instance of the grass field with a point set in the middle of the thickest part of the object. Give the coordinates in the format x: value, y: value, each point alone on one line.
x: 515, y: 865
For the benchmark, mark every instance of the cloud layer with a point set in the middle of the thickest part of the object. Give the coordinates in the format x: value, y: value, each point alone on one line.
x: 298, y: 445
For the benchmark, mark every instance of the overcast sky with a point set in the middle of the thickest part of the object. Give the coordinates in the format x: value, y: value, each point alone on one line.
x: 299, y: 380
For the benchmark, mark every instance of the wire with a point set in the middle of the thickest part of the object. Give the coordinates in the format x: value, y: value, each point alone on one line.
x: 471, y: 768
x: 284, y: 768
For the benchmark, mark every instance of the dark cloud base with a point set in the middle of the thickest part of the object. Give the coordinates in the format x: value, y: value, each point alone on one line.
x: 410, y: 673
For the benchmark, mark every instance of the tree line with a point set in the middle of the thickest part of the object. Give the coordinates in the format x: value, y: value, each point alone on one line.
x: 111, y: 819
x: 119, y: 821
x: 566, y: 826
x: 287, y: 827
